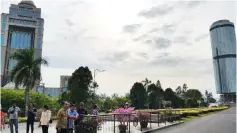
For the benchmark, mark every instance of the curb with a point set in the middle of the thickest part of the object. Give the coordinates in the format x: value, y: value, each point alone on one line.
x: 156, y: 129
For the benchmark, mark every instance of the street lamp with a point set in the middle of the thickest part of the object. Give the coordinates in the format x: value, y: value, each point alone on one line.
x: 95, y: 72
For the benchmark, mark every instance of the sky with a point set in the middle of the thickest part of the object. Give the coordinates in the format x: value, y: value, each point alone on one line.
x: 131, y: 40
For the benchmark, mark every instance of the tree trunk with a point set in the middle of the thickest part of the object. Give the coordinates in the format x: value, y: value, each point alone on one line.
x: 27, y: 100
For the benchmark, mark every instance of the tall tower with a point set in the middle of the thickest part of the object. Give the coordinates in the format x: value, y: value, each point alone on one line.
x: 21, y: 28
x: 223, y: 41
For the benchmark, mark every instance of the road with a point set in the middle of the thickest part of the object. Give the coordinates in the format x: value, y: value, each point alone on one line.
x: 221, y: 122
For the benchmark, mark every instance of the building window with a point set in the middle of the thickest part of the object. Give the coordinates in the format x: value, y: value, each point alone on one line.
x: 38, y: 43
x: 3, y: 26
x: 4, y: 18
x: 2, y: 39
x: 39, y: 31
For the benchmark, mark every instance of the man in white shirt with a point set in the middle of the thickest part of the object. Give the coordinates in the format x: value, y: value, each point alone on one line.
x: 13, y: 117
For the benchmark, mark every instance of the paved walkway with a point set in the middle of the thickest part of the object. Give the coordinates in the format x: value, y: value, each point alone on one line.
x: 22, y: 128
x: 221, y: 122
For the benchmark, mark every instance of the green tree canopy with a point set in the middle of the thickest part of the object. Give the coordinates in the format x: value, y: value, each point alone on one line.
x: 79, y: 85
x: 193, y: 93
x: 155, y: 95
x: 138, y: 95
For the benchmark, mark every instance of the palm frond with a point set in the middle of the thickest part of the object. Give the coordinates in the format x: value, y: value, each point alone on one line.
x: 40, y: 61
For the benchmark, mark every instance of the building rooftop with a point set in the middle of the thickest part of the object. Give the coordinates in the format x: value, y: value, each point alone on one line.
x: 27, y: 3
x: 221, y: 22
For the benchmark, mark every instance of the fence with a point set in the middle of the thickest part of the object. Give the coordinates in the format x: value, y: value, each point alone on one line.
x: 111, y: 123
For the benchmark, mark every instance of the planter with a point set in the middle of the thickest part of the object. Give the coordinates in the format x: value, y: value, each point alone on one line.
x: 143, y: 124
x: 85, y: 128
x: 122, y: 128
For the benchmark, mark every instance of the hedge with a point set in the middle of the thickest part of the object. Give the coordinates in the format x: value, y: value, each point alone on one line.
x: 11, y: 96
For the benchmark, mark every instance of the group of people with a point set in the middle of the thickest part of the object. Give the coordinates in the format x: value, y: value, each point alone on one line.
x: 67, y: 117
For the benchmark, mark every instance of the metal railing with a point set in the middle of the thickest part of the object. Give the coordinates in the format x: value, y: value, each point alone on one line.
x: 109, y: 123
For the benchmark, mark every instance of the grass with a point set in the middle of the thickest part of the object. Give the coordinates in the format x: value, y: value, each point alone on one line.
x: 190, y: 118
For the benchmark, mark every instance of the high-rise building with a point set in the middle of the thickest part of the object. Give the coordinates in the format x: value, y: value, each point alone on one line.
x: 21, y: 28
x: 64, y: 81
x: 223, y: 41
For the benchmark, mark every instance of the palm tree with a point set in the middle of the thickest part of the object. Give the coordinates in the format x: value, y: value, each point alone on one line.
x: 26, y: 71
x: 146, y: 82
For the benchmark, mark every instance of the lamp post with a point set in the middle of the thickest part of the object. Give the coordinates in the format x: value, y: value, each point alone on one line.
x: 95, y: 72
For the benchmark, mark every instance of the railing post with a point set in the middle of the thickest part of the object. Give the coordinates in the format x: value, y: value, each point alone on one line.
x: 129, y: 122
x: 150, y: 119
x: 158, y: 118
x: 175, y: 115
x: 179, y: 115
x: 165, y: 116
x: 114, y: 123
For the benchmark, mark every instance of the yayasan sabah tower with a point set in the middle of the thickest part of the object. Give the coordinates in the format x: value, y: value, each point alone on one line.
x: 223, y: 42
x: 21, y: 28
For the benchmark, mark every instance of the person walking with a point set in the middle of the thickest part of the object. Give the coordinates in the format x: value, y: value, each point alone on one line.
x: 45, y: 119
x: 3, y: 118
x: 81, y: 111
x: 74, y: 115
x: 95, y: 110
x: 31, y: 114
x: 62, y: 116
x: 13, y: 117
x: 126, y: 105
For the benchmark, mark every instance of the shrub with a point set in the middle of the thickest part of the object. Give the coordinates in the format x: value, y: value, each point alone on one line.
x: 11, y: 96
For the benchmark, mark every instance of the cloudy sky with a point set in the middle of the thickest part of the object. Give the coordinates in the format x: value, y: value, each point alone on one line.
x: 131, y: 40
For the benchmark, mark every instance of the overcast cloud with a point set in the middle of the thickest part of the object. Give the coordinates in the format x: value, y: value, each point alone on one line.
x: 131, y: 40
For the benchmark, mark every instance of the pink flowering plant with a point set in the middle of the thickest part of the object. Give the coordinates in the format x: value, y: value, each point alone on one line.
x: 143, y: 116
x: 122, y: 115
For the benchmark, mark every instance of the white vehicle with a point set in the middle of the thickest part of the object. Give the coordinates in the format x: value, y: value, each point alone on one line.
x: 213, y: 105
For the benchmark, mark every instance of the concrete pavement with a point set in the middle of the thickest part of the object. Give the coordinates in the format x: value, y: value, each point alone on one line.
x: 22, y: 128
x: 221, y: 122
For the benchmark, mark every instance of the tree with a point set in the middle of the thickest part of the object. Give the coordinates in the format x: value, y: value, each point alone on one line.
x: 193, y: 93
x: 26, y: 71
x: 137, y: 95
x: 146, y: 82
x: 155, y: 95
x: 179, y: 91
x: 152, y: 96
x: 191, y: 103
x: 158, y: 84
x: 115, y: 95
x: 185, y: 87
x: 79, y: 85
x: 176, y: 101
x: 209, y: 97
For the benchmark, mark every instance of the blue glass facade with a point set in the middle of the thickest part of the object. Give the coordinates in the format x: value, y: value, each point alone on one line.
x: 20, y: 40
x: 223, y: 40
x: 23, y: 22
x: 54, y: 92
x: 3, y: 28
x: 21, y: 28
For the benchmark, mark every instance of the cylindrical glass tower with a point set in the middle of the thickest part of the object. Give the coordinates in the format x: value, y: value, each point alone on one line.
x: 223, y: 41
